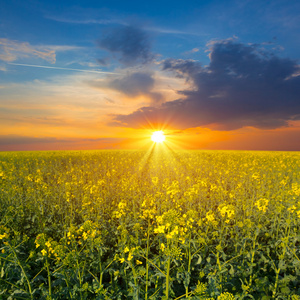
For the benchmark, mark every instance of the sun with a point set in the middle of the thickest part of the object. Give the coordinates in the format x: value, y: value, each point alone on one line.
x: 158, y: 137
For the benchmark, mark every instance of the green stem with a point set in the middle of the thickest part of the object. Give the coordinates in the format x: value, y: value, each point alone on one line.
x: 153, y: 264
x: 101, y: 279
x: 49, y: 278
x: 79, y: 277
x: 67, y: 284
x: 276, y: 283
x: 147, y: 264
x: 24, y: 273
x: 252, y: 260
x: 189, y: 268
x: 168, y: 278
x: 135, y: 283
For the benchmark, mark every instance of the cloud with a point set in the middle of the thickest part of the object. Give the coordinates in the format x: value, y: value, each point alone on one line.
x: 63, y: 48
x: 194, y: 50
x: 60, y: 68
x: 129, y: 43
x: 76, y: 20
x: 137, y: 84
x: 17, y: 140
x: 134, y: 84
x: 242, y: 86
x: 12, y: 50
x: 6, y: 140
x: 103, y: 61
x: 2, y: 68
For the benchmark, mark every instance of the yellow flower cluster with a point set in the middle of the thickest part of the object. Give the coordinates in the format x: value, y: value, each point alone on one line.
x: 172, y: 225
x: 296, y: 189
x: 148, y: 208
x: 262, y: 204
x: 292, y: 208
x: 4, y: 232
x: 48, y: 246
x: 121, y: 210
x: 129, y: 256
x: 226, y: 211
x: 5, y: 235
x: 87, y: 230
x: 226, y: 296
x: 210, y: 216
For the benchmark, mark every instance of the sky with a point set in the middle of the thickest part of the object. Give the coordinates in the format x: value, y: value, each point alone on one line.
x: 220, y: 74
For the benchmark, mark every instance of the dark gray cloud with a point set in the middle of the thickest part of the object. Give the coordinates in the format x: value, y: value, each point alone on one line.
x: 130, y: 44
x: 242, y: 86
x: 136, y: 84
x: 133, y: 85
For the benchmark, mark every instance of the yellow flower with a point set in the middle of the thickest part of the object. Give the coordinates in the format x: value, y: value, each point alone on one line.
x: 226, y: 296
x: 159, y: 229
x: 138, y: 262
x: 162, y: 247
x: 85, y: 236
x: 44, y: 252
x: 126, y: 250
x: 155, y: 180
x: 210, y: 216
x: 226, y: 210
x: 37, y: 245
x: 262, y: 204
x: 122, y: 260
x: 292, y: 208
x: 48, y: 244
x: 169, y: 236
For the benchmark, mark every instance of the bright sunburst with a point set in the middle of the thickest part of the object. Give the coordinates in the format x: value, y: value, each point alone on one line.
x: 158, y: 137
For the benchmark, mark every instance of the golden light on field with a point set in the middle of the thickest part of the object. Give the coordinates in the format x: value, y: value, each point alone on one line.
x: 158, y: 136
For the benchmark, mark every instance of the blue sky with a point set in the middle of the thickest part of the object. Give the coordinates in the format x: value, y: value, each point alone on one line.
x: 53, y: 53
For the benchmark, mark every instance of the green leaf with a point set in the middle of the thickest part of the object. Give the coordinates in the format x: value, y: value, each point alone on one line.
x: 231, y: 271
x: 285, y: 290
x: 199, y: 260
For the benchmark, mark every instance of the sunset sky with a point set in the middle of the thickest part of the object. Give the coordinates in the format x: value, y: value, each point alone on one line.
x: 106, y: 74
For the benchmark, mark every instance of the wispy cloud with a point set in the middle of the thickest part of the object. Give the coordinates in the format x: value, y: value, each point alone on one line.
x: 2, y: 68
x: 62, y: 48
x: 60, y: 68
x: 163, y: 30
x: 113, y: 20
x: 194, y: 50
x: 11, y: 50
x: 87, y: 21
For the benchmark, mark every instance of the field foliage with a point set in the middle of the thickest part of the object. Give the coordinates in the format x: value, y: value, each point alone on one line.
x: 157, y: 224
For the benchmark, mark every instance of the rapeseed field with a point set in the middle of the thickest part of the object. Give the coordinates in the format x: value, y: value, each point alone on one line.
x: 157, y: 224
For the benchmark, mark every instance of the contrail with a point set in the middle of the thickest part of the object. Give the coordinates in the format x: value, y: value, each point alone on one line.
x: 68, y: 69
